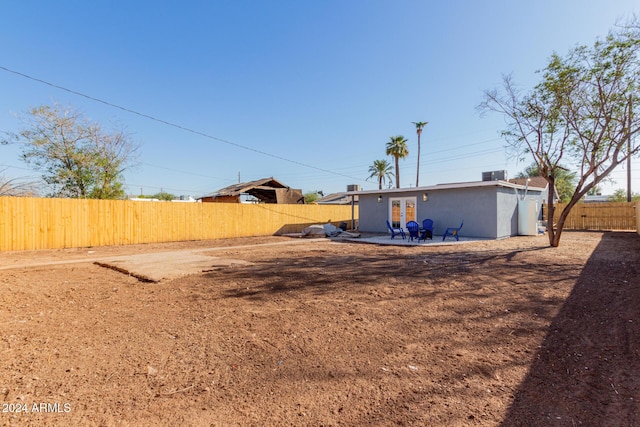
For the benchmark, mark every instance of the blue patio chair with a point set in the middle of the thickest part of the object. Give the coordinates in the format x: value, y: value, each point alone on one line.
x: 414, y: 230
x: 452, y: 231
x: 395, y: 231
x: 427, y: 229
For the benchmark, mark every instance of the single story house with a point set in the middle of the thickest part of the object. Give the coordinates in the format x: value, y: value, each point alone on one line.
x: 489, y: 209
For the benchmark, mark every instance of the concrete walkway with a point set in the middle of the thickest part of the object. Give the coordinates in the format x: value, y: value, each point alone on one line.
x: 16, y: 260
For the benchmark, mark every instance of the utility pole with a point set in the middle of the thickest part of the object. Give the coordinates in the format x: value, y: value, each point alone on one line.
x: 629, y: 152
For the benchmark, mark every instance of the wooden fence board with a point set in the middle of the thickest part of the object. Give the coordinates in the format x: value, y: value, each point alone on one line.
x: 638, y: 217
x: 599, y: 216
x: 46, y: 223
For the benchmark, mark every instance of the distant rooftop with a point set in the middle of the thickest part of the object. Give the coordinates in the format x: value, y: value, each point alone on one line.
x: 266, y: 190
x: 534, y: 181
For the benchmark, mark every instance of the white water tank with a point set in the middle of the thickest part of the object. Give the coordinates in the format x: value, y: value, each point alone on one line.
x: 528, y: 212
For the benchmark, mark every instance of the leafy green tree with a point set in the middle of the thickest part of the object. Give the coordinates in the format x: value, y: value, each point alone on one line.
x: 579, y: 114
x: 77, y: 157
x: 163, y: 195
x: 620, y: 195
x: 565, y: 180
x: 311, y: 197
x: 419, y: 126
x: 397, y: 148
x: 381, y: 170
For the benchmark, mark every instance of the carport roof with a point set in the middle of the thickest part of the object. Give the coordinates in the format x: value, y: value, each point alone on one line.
x: 455, y: 185
x: 265, y: 184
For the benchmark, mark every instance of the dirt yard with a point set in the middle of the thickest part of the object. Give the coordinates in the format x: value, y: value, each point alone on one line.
x: 321, y: 333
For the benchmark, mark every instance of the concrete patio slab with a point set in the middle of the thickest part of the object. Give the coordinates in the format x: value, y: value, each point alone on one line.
x: 158, y: 266
x: 385, y: 239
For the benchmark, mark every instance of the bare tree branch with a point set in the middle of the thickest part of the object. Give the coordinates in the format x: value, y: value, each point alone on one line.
x: 579, y: 114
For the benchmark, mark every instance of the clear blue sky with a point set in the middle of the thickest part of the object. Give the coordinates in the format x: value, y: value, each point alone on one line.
x: 322, y: 84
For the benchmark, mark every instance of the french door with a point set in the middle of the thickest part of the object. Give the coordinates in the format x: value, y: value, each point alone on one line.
x: 401, y: 211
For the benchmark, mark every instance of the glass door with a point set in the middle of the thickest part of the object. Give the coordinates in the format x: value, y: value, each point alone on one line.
x: 401, y: 211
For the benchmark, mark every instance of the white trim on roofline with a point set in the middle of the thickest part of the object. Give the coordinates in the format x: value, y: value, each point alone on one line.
x: 450, y: 186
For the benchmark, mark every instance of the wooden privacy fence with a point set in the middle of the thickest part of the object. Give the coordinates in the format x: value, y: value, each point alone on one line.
x: 599, y: 216
x: 43, y: 223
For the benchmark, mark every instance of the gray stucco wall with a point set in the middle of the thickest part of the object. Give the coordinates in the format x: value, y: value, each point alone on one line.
x: 507, y: 212
x: 488, y: 212
x: 476, y: 206
x: 371, y: 214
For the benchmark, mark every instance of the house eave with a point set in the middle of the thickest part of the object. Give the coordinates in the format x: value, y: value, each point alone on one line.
x: 448, y: 186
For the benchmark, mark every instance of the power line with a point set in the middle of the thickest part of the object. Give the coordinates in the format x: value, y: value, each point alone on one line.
x: 15, y: 167
x: 184, y: 172
x: 411, y: 157
x: 163, y: 188
x: 464, y: 156
x: 466, y: 145
x: 177, y: 126
x: 208, y: 136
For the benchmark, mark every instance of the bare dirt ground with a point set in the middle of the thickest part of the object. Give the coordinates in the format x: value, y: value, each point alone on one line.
x: 492, y: 333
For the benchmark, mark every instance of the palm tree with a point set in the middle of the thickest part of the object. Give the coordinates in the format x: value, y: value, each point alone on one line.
x: 397, y: 147
x: 381, y: 169
x: 419, y: 126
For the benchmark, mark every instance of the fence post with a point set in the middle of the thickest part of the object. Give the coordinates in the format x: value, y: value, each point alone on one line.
x: 638, y: 217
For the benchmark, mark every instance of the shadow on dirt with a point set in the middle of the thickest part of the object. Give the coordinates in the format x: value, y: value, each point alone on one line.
x: 587, y: 371
x: 319, y: 273
x: 589, y: 361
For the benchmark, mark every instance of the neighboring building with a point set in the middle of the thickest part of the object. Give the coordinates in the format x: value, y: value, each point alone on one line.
x: 535, y: 182
x: 337, y: 199
x: 598, y: 198
x: 180, y: 199
x: 489, y: 209
x: 341, y: 198
x: 267, y: 190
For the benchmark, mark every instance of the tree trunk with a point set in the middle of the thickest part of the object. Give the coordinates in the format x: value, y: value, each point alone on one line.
x: 397, y: 173
x: 562, y: 218
x: 556, y: 231
x: 555, y: 241
x: 551, y: 231
x: 418, y: 168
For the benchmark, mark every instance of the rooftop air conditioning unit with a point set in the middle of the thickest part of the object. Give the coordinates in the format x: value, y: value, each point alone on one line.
x: 494, y: 176
x: 353, y: 187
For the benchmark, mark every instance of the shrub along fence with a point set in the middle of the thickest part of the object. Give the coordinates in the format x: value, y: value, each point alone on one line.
x: 600, y: 216
x: 46, y: 223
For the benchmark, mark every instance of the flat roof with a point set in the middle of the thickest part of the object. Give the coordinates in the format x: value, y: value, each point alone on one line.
x: 450, y: 186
